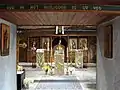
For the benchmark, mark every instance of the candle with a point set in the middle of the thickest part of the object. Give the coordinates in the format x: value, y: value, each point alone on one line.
x: 48, y: 46
x: 67, y: 51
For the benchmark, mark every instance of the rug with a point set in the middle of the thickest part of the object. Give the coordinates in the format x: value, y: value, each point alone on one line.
x: 70, y: 83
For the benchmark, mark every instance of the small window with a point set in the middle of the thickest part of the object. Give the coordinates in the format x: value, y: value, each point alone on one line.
x: 108, y: 41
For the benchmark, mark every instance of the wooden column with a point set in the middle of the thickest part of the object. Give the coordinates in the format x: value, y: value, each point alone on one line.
x: 78, y: 42
x: 17, y: 51
x: 28, y: 48
x: 40, y: 42
x: 51, y: 51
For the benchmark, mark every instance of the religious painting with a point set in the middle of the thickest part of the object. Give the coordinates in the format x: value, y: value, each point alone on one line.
x: 33, y: 43
x: 108, y: 41
x: 92, y: 49
x: 73, y: 43
x: 83, y: 43
x: 46, y: 43
x: 4, y: 39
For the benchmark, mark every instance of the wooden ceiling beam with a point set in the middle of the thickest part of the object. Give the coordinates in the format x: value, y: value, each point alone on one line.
x: 44, y: 34
x: 51, y: 28
x: 58, y: 25
x: 38, y: 29
x: 100, y: 2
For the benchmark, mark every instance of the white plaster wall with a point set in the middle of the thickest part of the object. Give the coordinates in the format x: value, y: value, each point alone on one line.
x: 108, y: 70
x: 8, y: 63
x: 117, y: 53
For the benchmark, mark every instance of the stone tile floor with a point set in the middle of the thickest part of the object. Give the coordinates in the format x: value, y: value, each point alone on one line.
x: 81, y: 79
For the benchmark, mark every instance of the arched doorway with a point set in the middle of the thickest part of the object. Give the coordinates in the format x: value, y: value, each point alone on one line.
x: 59, y: 58
x: 64, y: 43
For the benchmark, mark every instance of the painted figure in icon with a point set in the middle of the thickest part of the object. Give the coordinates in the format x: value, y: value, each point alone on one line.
x: 5, y: 46
x: 33, y: 46
x: 73, y: 44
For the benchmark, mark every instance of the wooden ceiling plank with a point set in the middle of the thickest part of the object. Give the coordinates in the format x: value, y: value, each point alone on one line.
x: 38, y: 19
x: 41, y: 19
x: 24, y: 18
x: 96, y: 18
x: 60, y: 17
x: 72, y: 19
x: 62, y: 13
x: 91, y: 17
x: 83, y: 18
x: 21, y: 15
x: 106, y: 19
x: 16, y: 15
x: 63, y: 17
x: 49, y: 17
x: 37, y: 16
x: 100, y: 17
x: 57, y: 14
x: 78, y: 18
x: 32, y: 18
x: 86, y: 17
x: 6, y: 17
x: 69, y: 19
x: 46, y: 18
x: 12, y: 16
x: 55, y: 18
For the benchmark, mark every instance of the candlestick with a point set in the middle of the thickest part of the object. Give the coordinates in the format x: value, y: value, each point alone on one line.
x: 67, y: 51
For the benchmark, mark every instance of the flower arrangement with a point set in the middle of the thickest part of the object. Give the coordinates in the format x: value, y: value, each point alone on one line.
x: 27, y: 81
x: 46, y: 68
x: 19, y: 68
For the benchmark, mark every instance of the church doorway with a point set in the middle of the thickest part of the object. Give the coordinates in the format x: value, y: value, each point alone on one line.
x: 60, y: 42
x: 59, y: 55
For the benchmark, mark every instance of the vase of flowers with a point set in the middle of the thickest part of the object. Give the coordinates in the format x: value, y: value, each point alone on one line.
x: 26, y: 82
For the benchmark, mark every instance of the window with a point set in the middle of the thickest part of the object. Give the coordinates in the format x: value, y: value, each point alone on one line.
x: 108, y: 41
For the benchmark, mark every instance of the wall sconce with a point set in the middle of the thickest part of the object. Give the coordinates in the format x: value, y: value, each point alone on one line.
x: 24, y: 45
